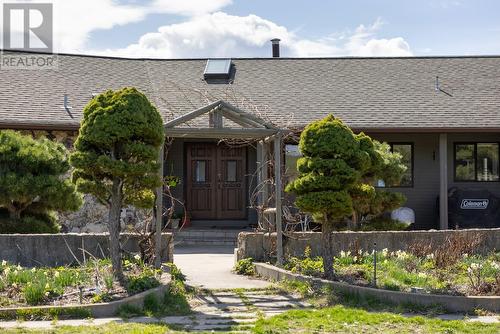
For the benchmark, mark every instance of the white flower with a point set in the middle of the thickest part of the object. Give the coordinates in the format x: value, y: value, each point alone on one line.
x: 33, y: 269
x: 46, y: 294
x: 4, y: 263
x: 465, y: 255
x: 469, y: 270
x: 495, y: 265
x: 7, y: 270
x: 355, y: 258
x: 475, y: 266
x: 385, y: 251
x: 137, y: 257
x: 430, y: 256
x: 56, y: 274
x: 19, y: 267
x: 342, y: 254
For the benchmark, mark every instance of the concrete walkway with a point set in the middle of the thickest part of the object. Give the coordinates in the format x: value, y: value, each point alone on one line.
x: 210, y: 267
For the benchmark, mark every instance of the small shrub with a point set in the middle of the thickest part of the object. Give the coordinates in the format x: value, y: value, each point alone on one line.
x: 144, y: 281
x: 151, y: 304
x: 129, y: 311
x: 383, y: 224
x: 108, y: 281
x: 174, y: 300
x: 245, y: 267
x: 175, y: 272
x: 34, y: 293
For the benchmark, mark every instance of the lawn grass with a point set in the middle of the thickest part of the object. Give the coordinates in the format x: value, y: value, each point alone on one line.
x: 111, y: 328
x: 340, y: 319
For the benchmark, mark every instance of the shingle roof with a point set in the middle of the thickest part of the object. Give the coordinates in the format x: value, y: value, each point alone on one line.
x: 367, y: 93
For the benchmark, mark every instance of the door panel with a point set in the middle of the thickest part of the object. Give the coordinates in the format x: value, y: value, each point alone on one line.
x: 231, y: 177
x: 216, y: 187
x: 201, y: 185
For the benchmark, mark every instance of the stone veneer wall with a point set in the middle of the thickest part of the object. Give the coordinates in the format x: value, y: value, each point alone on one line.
x: 260, y: 246
x: 92, y: 217
x: 64, y: 249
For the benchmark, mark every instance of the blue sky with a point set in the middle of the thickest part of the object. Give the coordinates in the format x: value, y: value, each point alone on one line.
x: 242, y: 28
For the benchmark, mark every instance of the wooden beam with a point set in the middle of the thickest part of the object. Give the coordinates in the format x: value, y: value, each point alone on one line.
x: 244, y: 133
x: 248, y: 115
x: 240, y: 118
x: 443, y: 181
x: 278, y: 199
x: 193, y: 114
x: 159, y: 212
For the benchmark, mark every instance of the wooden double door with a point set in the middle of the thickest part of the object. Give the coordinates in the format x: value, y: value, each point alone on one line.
x: 215, y: 182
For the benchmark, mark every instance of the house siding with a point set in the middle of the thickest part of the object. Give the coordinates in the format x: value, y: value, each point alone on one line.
x: 422, y: 196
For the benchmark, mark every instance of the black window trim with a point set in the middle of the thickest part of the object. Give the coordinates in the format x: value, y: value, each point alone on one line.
x: 412, y: 147
x: 455, y: 144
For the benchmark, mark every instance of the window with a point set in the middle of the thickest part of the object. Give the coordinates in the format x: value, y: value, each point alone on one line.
x: 231, y: 170
x: 476, y: 162
x: 292, y: 154
x: 200, y: 171
x: 406, y: 151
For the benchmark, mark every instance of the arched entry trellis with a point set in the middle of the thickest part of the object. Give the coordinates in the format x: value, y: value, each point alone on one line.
x: 226, y: 121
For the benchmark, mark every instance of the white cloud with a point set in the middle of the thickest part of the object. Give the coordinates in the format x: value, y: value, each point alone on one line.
x: 223, y: 35
x: 74, y: 20
x: 205, y: 32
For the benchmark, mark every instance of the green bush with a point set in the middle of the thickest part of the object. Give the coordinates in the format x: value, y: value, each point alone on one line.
x: 245, y: 267
x: 144, y: 281
x: 151, y: 304
x: 30, y: 223
x: 383, y: 224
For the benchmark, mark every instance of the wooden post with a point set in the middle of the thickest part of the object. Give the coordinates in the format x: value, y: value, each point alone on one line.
x: 278, y: 194
x: 159, y: 212
x: 443, y: 181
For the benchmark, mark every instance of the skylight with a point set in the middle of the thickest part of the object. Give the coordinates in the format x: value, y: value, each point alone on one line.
x: 217, y: 69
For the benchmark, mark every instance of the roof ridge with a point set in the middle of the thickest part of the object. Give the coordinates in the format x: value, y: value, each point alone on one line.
x: 256, y: 58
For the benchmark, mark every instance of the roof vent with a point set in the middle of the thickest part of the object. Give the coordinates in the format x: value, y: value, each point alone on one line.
x: 276, y: 47
x: 217, y: 69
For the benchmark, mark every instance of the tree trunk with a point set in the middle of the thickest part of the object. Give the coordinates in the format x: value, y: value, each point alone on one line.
x: 15, y: 214
x: 327, y: 249
x: 114, y: 229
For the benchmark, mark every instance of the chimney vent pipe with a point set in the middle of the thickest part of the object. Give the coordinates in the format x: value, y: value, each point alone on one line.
x: 276, y: 47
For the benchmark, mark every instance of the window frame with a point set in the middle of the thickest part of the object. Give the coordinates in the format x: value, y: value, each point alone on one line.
x: 412, y: 147
x: 455, y: 144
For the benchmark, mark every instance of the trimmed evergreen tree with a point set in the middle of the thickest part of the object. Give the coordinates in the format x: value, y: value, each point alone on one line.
x: 116, y: 156
x: 335, y: 179
x: 32, y: 176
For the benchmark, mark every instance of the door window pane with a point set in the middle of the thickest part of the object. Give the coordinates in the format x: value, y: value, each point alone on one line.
x: 292, y: 154
x: 200, y: 171
x: 231, y: 170
x: 465, y: 164
x: 406, y: 151
x: 487, y: 162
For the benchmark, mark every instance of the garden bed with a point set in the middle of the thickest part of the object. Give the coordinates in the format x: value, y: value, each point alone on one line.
x: 435, y: 272
x: 467, y: 304
x: 90, y: 283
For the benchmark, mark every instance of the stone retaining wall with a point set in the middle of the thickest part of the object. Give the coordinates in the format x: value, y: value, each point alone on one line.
x: 62, y: 249
x: 260, y: 246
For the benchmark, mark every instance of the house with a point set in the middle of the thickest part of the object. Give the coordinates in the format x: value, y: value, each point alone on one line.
x: 441, y: 113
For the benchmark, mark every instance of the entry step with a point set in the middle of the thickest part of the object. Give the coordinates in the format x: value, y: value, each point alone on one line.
x: 207, y: 237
